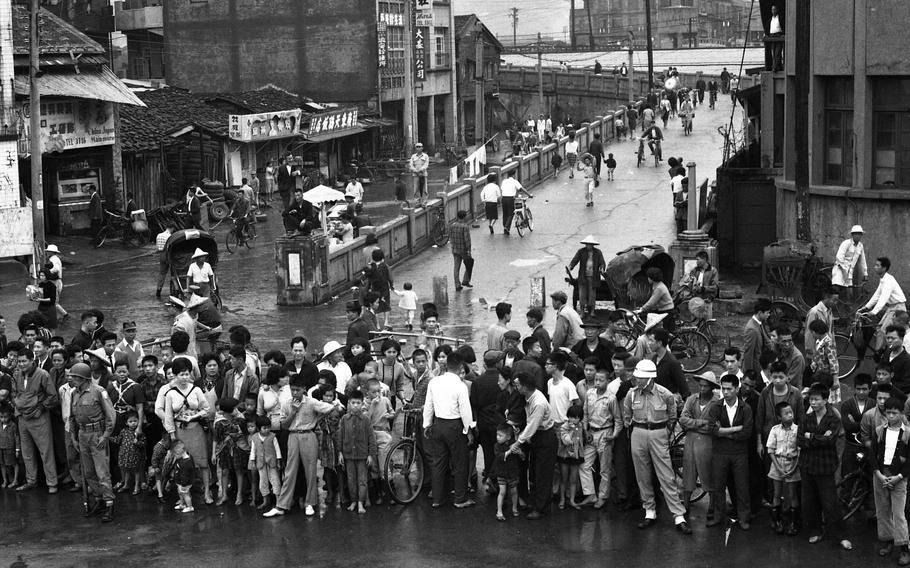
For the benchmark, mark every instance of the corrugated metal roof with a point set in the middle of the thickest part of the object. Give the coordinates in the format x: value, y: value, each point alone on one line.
x: 99, y: 84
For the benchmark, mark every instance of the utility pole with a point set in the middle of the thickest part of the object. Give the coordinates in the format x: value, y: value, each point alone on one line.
x: 802, y: 82
x: 572, y: 23
x: 590, y: 25
x: 631, y: 81
x: 410, y: 100
x: 34, y: 104
x: 690, y: 33
x: 513, y: 13
x: 650, y: 46
x: 540, y: 72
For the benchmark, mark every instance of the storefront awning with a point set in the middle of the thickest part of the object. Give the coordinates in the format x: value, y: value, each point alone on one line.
x: 95, y: 84
x: 315, y: 138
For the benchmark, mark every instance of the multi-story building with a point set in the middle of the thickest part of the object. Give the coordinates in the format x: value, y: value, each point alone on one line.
x: 476, y: 76
x: 858, y: 130
x: 436, y: 107
x: 142, y: 24
x: 674, y: 23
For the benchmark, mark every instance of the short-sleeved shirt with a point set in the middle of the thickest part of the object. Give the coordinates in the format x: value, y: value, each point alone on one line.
x: 490, y: 193
x: 199, y: 275
x: 510, y: 187
x: 561, y: 396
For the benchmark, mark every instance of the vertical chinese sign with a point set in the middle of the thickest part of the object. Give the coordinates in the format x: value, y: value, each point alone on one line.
x: 382, y: 37
x: 420, y: 45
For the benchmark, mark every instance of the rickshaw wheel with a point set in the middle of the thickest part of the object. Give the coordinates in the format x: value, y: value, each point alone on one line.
x: 692, y: 349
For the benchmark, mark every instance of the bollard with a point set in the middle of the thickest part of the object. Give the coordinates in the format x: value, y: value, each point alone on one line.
x: 441, y: 290
x: 692, y: 220
x: 538, y: 292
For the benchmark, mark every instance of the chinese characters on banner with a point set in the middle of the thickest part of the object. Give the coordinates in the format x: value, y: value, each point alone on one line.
x: 331, y: 121
x: 420, y: 69
x: 382, y: 48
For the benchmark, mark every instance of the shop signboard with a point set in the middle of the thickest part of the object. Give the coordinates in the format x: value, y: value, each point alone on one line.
x: 382, y: 39
x: 420, y: 69
x: 332, y: 121
x: 264, y: 126
x: 67, y: 124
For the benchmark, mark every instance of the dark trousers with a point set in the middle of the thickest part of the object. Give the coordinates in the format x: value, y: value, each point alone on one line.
x: 508, y: 211
x: 598, y: 161
x: 543, y: 460
x: 819, y: 495
x: 468, y: 267
x: 626, y: 485
x: 449, y: 448
x: 486, y: 437
x: 59, y: 435
x: 285, y: 197
x: 724, y: 466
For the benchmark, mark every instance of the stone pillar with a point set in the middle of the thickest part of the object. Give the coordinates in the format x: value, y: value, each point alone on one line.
x: 693, y: 239
x: 692, y: 221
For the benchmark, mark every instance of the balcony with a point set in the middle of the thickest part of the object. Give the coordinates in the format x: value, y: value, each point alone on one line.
x: 128, y: 18
x: 774, y: 53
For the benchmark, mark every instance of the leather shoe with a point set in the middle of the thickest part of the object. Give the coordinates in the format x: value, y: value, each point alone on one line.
x: 534, y: 516
x: 646, y: 523
x: 26, y: 487
x: 52, y: 490
x: 465, y: 504
x: 96, y: 508
x: 886, y: 549
x: 683, y: 527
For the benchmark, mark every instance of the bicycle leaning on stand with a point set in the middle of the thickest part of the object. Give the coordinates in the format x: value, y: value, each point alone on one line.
x: 439, y: 230
x: 403, y: 471
x: 523, y: 217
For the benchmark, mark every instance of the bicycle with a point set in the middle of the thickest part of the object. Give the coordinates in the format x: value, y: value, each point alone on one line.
x: 854, y: 489
x: 523, y: 217
x: 403, y: 471
x: 717, y: 334
x: 439, y: 232
x: 677, y: 451
x: 239, y: 236
x: 690, y: 347
x: 641, y: 152
x: 117, y: 225
x: 849, y: 355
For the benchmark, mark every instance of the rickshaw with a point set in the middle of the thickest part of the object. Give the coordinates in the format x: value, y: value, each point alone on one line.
x: 179, y: 250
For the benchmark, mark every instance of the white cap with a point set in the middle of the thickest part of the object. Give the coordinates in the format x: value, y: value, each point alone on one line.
x: 53, y: 248
x: 645, y: 369
x: 856, y: 229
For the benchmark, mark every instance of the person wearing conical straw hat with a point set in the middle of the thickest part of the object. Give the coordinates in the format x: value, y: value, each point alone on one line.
x: 591, y: 265
x: 201, y: 274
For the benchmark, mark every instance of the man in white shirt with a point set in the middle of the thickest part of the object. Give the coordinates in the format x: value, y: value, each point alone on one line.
x: 568, y: 330
x: 776, y: 29
x: 201, y: 274
x: 418, y: 165
x: 447, y: 423
x: 355, y: 190
x: 887, y: 299
x: 509, y: 189
x: 333, y: 360
x: 850, y: 257
x: 56, y: 276
x: 490, y: 195
x: 560, y: 390
x: 164, y: 268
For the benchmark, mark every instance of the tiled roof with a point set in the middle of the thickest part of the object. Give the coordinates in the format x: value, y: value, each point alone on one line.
x: 56, y: 35
x: 265, y: 99
x: 167, y: 109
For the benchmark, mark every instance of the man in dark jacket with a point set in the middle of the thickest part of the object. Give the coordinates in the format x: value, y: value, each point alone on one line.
x: 484, y: 395
x: 286, y: 182
x: 731, y: 419
x: 591, y: 264
x: 297, y: 214
x: 358, y: 329
x: 596, y: 149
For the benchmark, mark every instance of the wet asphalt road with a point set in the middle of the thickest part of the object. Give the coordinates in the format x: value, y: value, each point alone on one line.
x: 635, y: 209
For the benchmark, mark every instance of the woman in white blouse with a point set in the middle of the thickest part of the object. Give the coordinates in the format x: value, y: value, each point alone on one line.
x: 273, y: 393
x: 184, y: 406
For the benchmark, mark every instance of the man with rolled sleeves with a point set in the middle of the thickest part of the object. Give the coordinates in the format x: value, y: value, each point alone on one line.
x: 649, y: 412
x: 34, y: 395
x: 91, y: 425
x: 539, y: 435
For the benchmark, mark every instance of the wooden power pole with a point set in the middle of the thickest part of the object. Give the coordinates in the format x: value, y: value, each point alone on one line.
x: 34, y: 102
x: 650, y: 46
x: 801, y: 131
x: 410, y: 100
x: 513, y: 13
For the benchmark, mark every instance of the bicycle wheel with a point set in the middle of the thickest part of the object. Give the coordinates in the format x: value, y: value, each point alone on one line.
x: 847, y: 356
x: 106, y: 232
x: 719, y: 338
x: 520, y: 224
x: 692, y: 349
x: 440, y: 233
x: 231, y: 241
x: 625, y: 339
x: 403, y: 472
x: 852, y: 492
x: 529, y: 219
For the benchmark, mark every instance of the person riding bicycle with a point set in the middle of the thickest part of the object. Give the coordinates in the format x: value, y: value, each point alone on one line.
x: 687, y: 112
x: 654, y: 135
x: 241, y: 212
x: 660, y: 301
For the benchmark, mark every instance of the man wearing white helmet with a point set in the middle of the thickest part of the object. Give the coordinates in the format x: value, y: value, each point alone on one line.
x: 851, y: 256
x: 649, y: 412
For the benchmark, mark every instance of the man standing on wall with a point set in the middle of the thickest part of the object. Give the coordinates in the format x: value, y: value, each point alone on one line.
x: 286, y: 183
